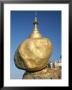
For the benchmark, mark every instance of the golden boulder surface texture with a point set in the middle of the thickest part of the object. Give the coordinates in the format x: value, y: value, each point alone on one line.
x: 47, y: 73
x: 33, y: 54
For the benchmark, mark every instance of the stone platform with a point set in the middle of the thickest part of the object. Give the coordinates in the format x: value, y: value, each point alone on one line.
x: 47, y: 73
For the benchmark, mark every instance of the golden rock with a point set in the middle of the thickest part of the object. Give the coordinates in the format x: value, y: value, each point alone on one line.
x: 33, y: 54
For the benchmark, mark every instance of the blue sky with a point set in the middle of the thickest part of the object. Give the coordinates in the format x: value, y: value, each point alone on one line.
x: 22, y: 26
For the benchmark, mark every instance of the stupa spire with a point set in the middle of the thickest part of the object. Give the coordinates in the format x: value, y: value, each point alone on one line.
x: 35, y: 33
x: 35, y: 23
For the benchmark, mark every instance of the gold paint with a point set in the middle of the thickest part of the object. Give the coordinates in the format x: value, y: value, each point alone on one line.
x: 35, y: 51
x: 33, y: 54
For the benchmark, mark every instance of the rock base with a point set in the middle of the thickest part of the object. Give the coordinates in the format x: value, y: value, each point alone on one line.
x: 47, y: 73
